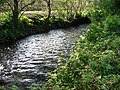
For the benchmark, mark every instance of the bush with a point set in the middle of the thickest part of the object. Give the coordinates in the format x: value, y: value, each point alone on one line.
x: 100, y: 30
x: 95, y: 62
x: 10, y: 35
x: 96, y: 15
x: 91, y: 67
x: 6, y: 17
x: 104, y: 8
x: 112, y: 23
x: 25, y: 20
x: 109, y: 6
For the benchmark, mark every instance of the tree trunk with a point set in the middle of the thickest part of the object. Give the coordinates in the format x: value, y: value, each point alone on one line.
x: 49, y: 14
x: 15, y: 14
x: 49, y: 9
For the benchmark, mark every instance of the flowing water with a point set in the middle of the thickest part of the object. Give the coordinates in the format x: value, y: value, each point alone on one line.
x: 29, y: 60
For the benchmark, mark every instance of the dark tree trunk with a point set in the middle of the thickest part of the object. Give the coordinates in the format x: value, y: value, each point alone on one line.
x: 49, y: 14
x: 15, y: 14
x: 49, y: 9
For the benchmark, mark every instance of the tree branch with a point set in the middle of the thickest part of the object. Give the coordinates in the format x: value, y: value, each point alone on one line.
x: 1, y: 8
x: 21, y: 14
x: 10, y: 6
x: 27, y: 5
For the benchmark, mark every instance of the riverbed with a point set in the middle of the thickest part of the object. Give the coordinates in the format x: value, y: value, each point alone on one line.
x: 29, y: 60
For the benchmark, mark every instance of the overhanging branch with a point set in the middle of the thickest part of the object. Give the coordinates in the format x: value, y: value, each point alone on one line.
x: 27, y: 5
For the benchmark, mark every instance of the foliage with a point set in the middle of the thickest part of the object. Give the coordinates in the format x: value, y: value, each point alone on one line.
x: 95, y: 63
x: 99, y: 30
x: 96, y: 15
x: 13, y: 23
x: 103, y: 8
x: 25, y: 20
x: 109, y: 6
x: 1, y: 88
x: 112, y: 23
x: 14, y: 87
x: 37, y: 87
x: 13, y: 6
x: 7, y: 33
x: 5, y: 18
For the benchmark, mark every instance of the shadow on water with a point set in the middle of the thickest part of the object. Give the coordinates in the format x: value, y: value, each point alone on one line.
x: 30, y: 59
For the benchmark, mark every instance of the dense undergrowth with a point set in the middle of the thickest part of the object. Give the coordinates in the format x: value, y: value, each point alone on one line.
x: 28, y: 26
x: 95, y: 62
x: 54, y: 14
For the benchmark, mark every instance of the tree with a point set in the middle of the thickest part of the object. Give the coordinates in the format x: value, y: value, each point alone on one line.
x: 48, y: 5
x: 17, y: 12
x: 49, y: 8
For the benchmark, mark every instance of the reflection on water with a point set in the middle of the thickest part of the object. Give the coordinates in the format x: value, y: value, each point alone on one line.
x: 28, y: 61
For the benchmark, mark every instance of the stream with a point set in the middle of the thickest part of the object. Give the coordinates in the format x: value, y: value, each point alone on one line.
x: 29, y: 60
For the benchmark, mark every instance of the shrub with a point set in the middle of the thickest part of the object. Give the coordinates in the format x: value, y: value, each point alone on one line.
x: 92, y: 66
x: 100, y: 30
x: 109, y: 6
x: 25, y: 20
x: 6, y: 17
x: 104, y: 8
x: 112, y: 23
x: 95, y: 62
x: 96, y: 15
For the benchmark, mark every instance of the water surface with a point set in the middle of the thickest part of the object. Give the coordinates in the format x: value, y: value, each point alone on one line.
x: 30, y: 59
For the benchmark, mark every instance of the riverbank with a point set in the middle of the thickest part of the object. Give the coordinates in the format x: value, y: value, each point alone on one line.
x: 29, y: 60
x: 29, y: 26
x: 95, y: 62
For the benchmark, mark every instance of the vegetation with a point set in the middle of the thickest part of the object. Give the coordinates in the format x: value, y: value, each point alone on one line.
x: 94, y: 65
x: 15, y: 10
x: 14, y: 25
x: 95, y: 62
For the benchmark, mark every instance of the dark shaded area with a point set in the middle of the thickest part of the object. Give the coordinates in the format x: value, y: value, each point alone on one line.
x: 37, y: 26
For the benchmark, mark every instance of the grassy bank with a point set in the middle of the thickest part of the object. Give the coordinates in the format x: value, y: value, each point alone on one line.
x: 95, y: 62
